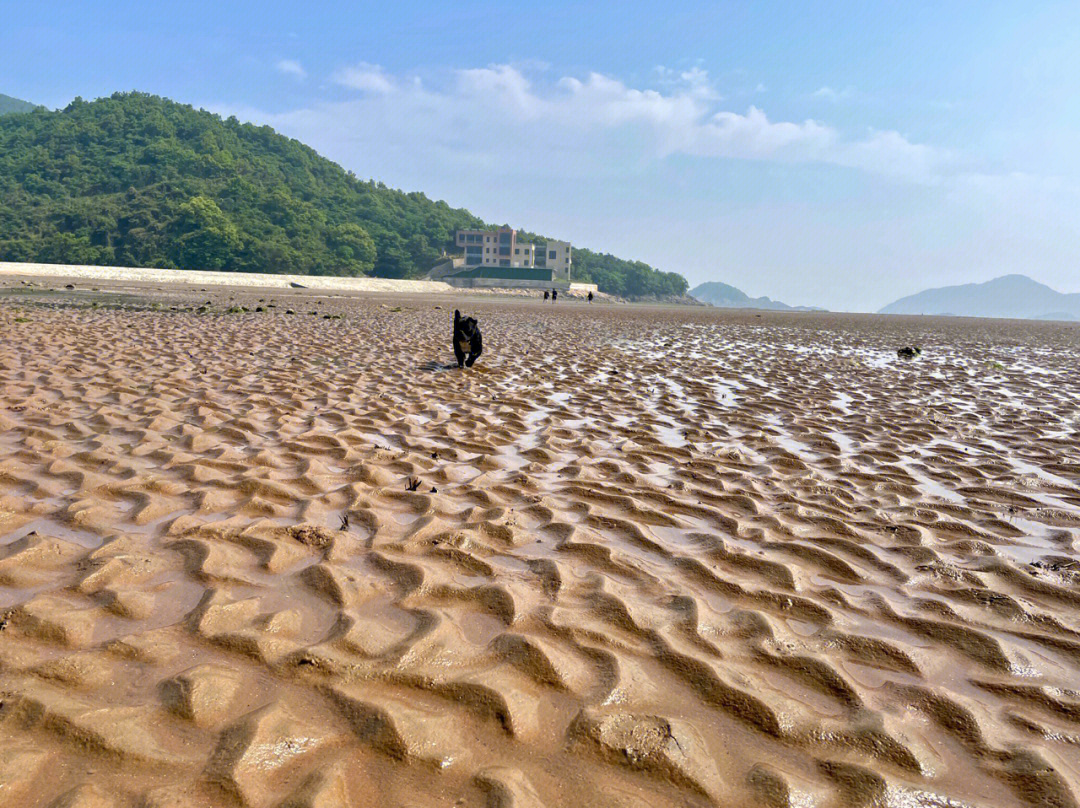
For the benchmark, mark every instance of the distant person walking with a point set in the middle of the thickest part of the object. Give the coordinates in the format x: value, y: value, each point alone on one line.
x: 546, y: 295
x: 554, y: 295
x: 590, y: 297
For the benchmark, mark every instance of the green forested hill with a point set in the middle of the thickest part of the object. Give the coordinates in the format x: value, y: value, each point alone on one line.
x: 9, y: 105
x: 138, y: 180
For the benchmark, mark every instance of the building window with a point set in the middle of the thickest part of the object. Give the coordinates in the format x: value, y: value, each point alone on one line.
x: 505, y: 262
x: 551, y: 253
x: 504, y: 250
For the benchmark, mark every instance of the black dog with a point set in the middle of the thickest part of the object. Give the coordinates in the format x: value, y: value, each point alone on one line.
x: 909, y: 352
x: 466, y: 340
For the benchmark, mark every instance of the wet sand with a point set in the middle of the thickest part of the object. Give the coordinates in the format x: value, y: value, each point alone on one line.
x: 651, y: 556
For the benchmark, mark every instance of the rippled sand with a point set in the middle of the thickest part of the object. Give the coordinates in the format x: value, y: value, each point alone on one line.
x: 654, y: 557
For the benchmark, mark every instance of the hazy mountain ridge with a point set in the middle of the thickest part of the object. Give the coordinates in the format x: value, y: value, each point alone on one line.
x: 1010, y: 296
x: 725, y: 296
x: 9, y: 105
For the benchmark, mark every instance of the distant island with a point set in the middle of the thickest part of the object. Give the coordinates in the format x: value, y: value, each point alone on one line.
x: 141, y: 181
x: 1010, y: 296
x: 725, y: 296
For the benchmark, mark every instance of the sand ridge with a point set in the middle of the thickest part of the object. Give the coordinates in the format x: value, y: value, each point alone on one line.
x: 652, y: 557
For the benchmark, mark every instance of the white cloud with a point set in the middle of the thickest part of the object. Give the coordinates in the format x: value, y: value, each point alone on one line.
x: 891, y: 154
x: 697, y: 81
x: 291, y: 67
x: 365, y: 77
x: 753, y: 136
x: 501, y: 85
x: 574, y: 125
x: 829, y: 94
x: 694, y: 81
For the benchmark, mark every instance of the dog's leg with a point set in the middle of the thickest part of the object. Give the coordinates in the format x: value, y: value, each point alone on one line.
x: 475, y: 349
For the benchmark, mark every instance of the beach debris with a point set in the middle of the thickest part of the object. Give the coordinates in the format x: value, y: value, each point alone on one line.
x: 1056, y: 564
x: 312, y: 536
x: 344, y: 522
x: 909, y: 352
x: 289, y: 311
x: 70, y: 286
x: 434, y: 490
x: 296, y: 285
x: 412, y: 483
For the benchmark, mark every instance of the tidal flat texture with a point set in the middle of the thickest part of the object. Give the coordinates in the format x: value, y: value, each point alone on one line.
x: 636, y: 556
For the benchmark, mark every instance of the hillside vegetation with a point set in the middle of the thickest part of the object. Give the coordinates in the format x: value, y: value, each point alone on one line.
x: 9, y: 105
x: 138, y: 180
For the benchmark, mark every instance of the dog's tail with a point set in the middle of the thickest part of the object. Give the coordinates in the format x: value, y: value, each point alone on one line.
x: 457, y: 315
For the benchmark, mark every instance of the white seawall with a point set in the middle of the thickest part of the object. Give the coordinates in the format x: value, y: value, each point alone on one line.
x: 70, y: 272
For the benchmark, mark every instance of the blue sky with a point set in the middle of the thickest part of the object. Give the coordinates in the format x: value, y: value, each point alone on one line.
x: 834, y: 154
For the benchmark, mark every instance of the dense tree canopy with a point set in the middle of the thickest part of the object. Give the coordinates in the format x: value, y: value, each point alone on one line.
x: 138, y: 180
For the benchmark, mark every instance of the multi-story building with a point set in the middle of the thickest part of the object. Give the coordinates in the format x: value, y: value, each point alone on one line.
x: 488, y: 251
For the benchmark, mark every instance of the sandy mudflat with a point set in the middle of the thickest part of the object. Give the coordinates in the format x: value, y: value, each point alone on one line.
x: 656, y: 557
